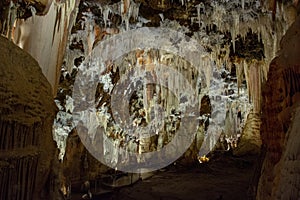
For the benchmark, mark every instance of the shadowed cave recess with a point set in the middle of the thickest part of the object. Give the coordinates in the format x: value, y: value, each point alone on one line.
x: 149, y: 99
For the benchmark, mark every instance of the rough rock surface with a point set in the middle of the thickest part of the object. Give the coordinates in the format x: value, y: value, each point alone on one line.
x: 287, y: 181
x: 26, y: 116
x: 250, y: 142
x: 280, y: 95
x: 79, y: 165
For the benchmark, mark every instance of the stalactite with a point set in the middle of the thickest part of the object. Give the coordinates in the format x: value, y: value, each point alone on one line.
x: 105, y: 12
x: 219, y: 13
x: 246, y: 73
x: 239, y: 73
x: 33, y: 12
x: 255, y: 80
x: 125, y: 4
x: 199, y: 6
x: 12, y: 16
x: 182, y: 2
x: 207, y: 70
x: 235, y: 28
x: 52, y: 29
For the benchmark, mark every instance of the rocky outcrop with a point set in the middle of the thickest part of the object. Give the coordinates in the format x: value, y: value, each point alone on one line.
x: 26, y: 116
x: 287, y: 180
x: 250, y: 142
x: 279, y: 174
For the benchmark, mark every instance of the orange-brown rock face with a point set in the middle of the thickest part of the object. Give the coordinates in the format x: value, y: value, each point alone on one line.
x: 280, y: 97
x: 26, y: 116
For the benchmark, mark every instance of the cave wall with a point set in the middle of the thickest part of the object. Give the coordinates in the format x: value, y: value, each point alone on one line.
x: 45, y: 37
x: 280, y: 174
x: 78, y: 164
x: 27, y: 110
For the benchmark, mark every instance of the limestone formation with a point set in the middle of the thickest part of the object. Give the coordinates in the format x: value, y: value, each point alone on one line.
x: 27, y: 151
x: 248, y: 101
x: 280, y: 98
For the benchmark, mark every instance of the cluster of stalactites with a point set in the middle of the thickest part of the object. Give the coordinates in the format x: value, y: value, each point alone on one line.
x: 149, y: 99
x: 126, y: 9
x: 238, y: 23
x: 152, y: 61
x: 10, y: 16
x: 91, y: 33
x: 252, y: 72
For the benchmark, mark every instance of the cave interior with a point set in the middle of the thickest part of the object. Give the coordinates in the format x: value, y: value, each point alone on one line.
x: 149, y: 99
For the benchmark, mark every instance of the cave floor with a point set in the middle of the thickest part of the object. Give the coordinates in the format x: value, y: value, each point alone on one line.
x: 224, y: 177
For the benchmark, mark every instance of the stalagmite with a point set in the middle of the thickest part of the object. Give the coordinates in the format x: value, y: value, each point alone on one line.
x: 27, y: 112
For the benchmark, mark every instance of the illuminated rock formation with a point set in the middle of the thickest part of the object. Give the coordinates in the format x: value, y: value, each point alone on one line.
x: 27, y: 112
x: 240, y: 39
x: 280, y: 132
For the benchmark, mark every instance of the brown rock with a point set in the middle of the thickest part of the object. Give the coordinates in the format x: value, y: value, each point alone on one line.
x: 26, y: 116
x: 279, y: 95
